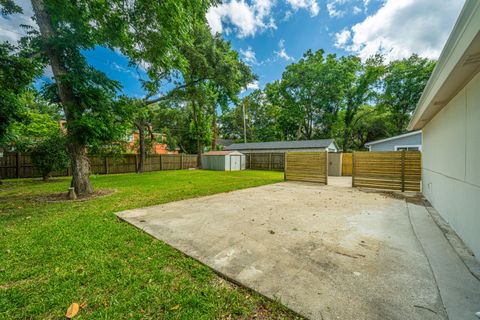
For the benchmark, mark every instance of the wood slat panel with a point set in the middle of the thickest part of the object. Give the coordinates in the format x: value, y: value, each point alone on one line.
x: 347, y: 164
x: 391, y: 170
x: 265, y: 161
x: 306, y: 166
x: 13, y: 165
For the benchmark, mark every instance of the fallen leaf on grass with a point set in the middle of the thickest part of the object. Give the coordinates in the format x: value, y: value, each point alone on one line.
x: 72, y: 310
x: 176, y: 307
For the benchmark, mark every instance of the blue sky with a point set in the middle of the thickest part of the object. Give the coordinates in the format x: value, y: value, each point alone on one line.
x: 295, y: 35
x: 270, y: 34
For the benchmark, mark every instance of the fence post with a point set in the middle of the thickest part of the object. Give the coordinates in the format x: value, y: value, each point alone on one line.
x: 106, y: 164
x: 353, y: 169
x: 249, y: 161
x: 285, y: 166
x: 269, y: 161
x: 326, y: 167
x: 161, y: 163
x: 403, y: 170
x: 181, y: 161
x: 17, y: 164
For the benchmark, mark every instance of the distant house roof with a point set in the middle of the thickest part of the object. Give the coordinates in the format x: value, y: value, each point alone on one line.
x: 394, y: 138
x: 219, y: 153
x: 303, y: 144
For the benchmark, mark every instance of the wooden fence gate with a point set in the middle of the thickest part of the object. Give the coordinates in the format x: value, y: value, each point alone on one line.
x: 346, y: 164
x: 307, y: 166
x: 391, y: 170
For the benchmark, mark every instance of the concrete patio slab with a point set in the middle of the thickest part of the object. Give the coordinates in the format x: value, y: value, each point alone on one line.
x: 327, y: 252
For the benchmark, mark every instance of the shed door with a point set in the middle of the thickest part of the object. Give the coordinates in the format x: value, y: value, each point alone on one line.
x: 235, y: 162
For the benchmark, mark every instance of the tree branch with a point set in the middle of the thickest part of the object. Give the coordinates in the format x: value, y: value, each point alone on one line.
x: 167, y: 96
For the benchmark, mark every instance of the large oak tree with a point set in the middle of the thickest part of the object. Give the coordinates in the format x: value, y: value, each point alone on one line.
x: 146, y: 30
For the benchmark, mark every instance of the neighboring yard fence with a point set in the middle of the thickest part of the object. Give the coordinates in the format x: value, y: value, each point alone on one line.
x: 19, y: 165
x: 307, y: 166
x: 347, y: 164
x: 265, y: 161
x: 396, y: 170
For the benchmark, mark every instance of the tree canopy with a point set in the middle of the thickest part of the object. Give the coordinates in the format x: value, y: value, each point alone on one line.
x: 325, y: 96
x: 148, y: 32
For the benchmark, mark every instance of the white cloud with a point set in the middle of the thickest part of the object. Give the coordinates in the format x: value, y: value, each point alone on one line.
x: 310, y: 5
x: 48, y: 72
x: 249, y: 55
x: 332, y: 8
x: 249, y: 18
x: 253, y: 85
x: 287, y: 15
x: 356, y: 10
x: 342, y: 37
x: 244, y: 18
x: 10, y: 29
x: 400, y: 28
x: 282, y: 53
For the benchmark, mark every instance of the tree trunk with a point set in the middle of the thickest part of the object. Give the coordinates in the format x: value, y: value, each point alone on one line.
x: 77, y: 151
x: 141, y: 142
x: 345, y: 140
x: 80, y: 166
x: 346, y: 132
x: 195, y: 113
x: 199, y: 152
x: 214, y: 130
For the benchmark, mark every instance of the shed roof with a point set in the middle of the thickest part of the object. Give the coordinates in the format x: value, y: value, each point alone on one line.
x: 220, y: 153
x: 303, y: 144
x: 408, y: 134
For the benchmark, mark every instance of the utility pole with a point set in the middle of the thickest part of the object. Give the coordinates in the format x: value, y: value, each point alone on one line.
x: 244, y: 122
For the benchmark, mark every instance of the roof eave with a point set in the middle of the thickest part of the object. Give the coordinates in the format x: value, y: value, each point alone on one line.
x: 394, y: 138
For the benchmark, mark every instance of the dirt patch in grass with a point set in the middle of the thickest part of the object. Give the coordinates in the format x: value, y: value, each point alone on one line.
x: 63, y: 196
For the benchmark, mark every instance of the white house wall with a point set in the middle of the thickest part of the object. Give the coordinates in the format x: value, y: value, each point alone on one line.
x: 451, y: 163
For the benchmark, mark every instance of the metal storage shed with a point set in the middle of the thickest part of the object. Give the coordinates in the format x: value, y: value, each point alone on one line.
x: 223, y: 161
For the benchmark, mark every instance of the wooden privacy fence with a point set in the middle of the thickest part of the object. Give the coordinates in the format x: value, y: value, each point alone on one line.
x: 265, y: 161
x: 391, y: 170
x: 19, y: 165
x: 347, y: 164
x: 307, y: 166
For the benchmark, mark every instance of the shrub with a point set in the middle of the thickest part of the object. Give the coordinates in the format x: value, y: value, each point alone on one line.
x: 50, y: 154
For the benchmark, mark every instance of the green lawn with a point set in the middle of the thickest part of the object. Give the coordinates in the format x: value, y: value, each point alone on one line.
x: 53, y: 254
